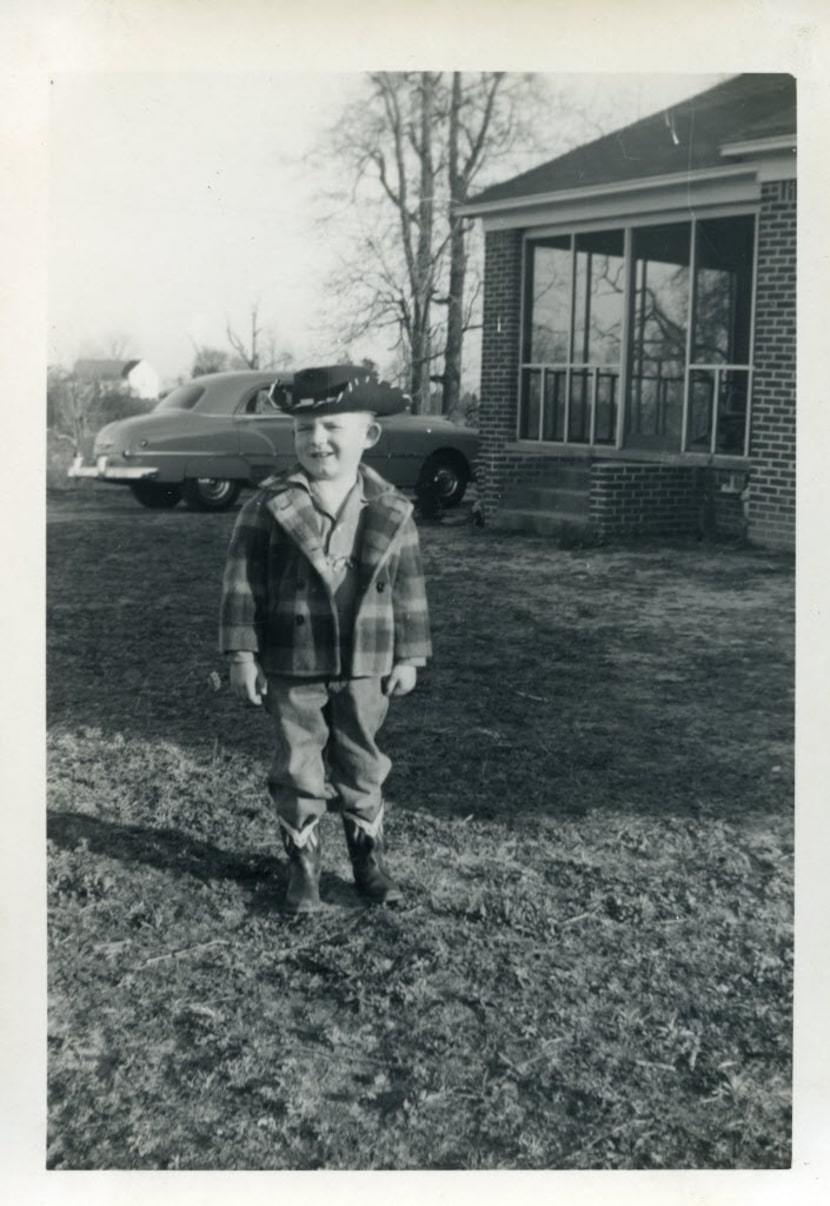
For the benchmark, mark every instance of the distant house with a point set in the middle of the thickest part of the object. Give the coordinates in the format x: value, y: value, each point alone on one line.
x: 131, y: 376
x: 638, y: 356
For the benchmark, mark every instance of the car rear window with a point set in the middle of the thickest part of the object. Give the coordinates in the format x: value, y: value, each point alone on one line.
x: 183, y: 397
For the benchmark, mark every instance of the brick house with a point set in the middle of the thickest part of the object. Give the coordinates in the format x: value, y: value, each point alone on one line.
x: 638, y: 351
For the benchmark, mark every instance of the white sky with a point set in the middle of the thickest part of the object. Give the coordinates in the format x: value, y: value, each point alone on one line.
x: 178, y: 200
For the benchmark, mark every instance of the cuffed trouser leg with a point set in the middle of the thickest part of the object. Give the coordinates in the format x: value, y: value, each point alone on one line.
x: 358, y: 768
x: 297, y: 778
x: 340, y: 717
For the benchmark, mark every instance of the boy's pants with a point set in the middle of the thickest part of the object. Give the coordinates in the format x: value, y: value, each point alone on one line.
x: 325, y: 748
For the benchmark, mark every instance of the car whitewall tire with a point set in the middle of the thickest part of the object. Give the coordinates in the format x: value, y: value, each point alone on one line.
x: 209, y: 493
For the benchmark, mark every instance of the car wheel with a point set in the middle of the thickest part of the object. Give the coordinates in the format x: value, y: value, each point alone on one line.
x: 446, y: 475
x: 209, y: 493
x: 156, y: 494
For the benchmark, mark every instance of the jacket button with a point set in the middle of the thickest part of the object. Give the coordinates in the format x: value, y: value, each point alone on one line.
x: 381, y: 586
x: 300, y: 621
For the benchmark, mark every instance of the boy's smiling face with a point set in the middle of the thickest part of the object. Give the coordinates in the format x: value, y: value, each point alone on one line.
x: 329, y: 447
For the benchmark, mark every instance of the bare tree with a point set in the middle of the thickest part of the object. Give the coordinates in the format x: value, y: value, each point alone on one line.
x: 414, y: 148
x: 208, y: 360
x: 68, y: 405
x: 247, y: 355
x: 408, y: 102
x: 262, y: 351
x: 423, y: 278
x: 271, y: 357
x: 391, y: 282
x: 470, y: 117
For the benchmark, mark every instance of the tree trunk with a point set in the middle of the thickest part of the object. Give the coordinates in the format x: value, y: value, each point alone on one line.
x: 455, y: 318
x: 421, y: 349
x: 254, y: 362
x: 458, y: 262
x: 415, y: 123
x: 420, y: 379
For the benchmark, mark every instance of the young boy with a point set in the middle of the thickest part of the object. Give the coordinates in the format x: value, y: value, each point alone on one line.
x: 324, y: 618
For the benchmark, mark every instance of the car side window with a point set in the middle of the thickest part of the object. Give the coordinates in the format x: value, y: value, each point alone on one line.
x: 260, y: 404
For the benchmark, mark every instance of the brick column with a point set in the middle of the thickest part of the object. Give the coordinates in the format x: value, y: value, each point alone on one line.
x: 771, y: 518
x: 499, y: 360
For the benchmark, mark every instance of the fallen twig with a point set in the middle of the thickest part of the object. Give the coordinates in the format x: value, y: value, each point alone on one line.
x: 527, y: 695
x: 110, y: 948
x: 576, y: 917
x: 183, y: 950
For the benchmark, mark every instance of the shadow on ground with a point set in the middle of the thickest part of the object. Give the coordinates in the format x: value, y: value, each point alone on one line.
x: 169, y: 850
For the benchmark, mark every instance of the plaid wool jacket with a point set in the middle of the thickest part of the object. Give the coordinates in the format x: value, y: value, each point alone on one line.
x: 276, y: 601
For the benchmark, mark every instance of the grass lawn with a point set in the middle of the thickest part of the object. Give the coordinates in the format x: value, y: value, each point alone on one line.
x: 590, y: 814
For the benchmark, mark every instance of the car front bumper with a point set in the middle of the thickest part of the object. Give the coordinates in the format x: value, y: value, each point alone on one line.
x: 103, y: 471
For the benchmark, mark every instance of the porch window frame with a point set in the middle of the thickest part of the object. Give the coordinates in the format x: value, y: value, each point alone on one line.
x: 628, y: 226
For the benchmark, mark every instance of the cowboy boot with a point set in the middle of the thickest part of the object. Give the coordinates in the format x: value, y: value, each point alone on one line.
x: 366, y: 851
x: 304, y: 857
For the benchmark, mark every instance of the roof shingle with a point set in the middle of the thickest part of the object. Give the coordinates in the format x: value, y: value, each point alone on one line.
x: 686, y: 137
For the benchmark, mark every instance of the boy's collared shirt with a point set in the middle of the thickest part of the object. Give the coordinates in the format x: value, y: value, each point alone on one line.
x: 340, y: 536
x: 288, y: 581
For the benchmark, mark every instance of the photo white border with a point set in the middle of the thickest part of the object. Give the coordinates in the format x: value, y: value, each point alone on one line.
x: 42, y: 36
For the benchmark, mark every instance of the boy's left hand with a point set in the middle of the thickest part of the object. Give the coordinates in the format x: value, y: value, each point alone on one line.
x: 401, y: 680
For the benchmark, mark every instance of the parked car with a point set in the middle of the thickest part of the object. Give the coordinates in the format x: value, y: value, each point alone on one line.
x: 216, y: 434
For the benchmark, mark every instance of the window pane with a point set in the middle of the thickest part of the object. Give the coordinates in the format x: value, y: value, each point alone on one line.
x: 701, y: 396
x: 606, y: 404
x: 732, y: 411
x: 549, y: 301
x: 723, y: 306
x: 658, y: 340
x: 599, y: 293
x: 732, y: 386
x: 553, y: 420
x: 579, y: 424
x: 184, y: 397
x: 531, y: 403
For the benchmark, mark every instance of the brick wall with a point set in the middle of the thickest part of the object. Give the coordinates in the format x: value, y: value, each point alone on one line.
x: 499, y: 362
x: 628, y: 499
x: 647, y: 498
x: 772, y: 442
x: 631, y: 499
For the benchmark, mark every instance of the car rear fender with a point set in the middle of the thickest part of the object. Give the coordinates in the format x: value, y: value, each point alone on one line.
x: 227, y: 468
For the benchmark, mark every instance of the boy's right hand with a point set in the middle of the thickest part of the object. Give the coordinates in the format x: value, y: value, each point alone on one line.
x: 248, y: 682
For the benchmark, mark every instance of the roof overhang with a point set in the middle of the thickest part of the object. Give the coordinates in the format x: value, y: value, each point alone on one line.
x: 773, y: 158
x: 599, y: 191
x: 760, y: 146
x: 761, y: 159
x: 710, y: 188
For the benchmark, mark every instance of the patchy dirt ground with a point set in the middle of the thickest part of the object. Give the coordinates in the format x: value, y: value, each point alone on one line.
x: 591, y: 817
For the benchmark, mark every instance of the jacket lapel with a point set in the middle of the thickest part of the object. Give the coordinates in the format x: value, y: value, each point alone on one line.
x: 385, y: 512
x: 384, y: 516
x: 295, y: 513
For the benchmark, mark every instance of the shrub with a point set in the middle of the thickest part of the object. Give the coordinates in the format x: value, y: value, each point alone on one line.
x: 111, y: 406
x: 74, y: 414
